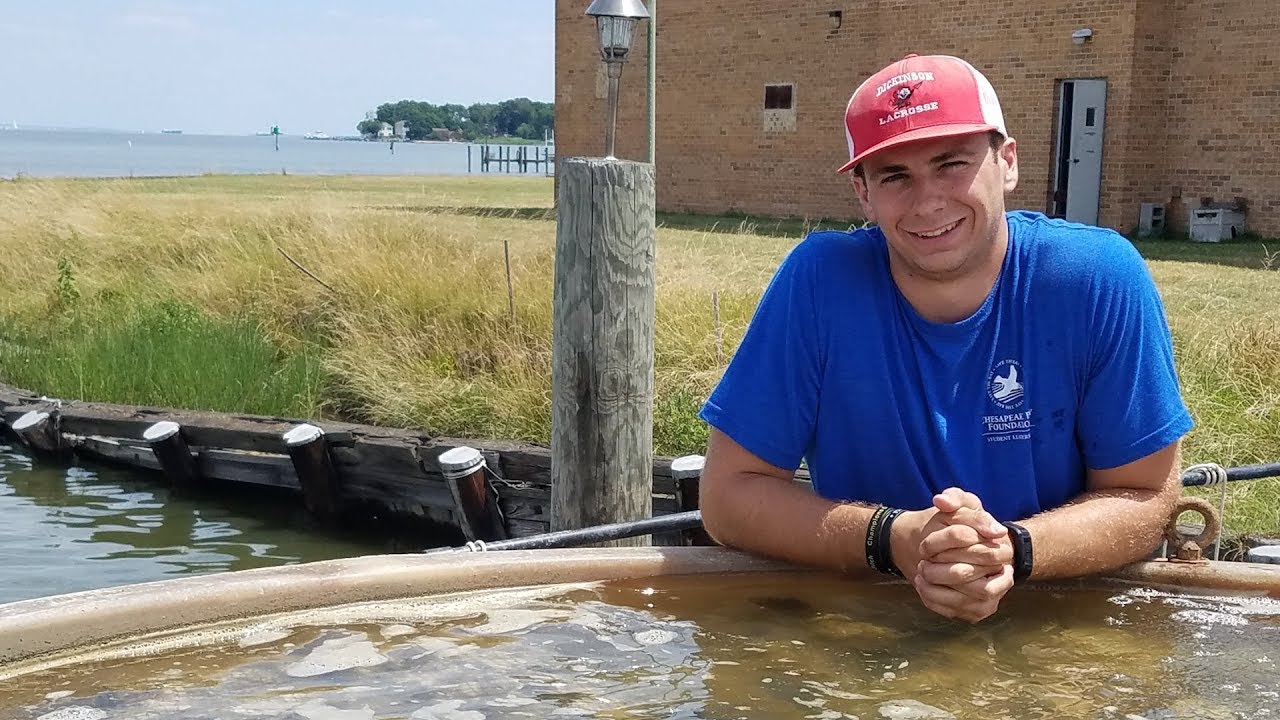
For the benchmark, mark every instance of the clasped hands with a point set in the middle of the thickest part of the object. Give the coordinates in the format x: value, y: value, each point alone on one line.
x: 956, y: 556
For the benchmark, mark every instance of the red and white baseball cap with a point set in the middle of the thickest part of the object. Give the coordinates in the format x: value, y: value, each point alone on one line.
x: 917, y: 98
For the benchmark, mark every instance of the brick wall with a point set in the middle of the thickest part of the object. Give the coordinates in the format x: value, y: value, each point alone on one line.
x: 1223, y: 137
x: 1183, y: 121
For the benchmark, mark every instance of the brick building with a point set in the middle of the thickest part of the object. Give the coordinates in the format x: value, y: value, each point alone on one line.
x: 1166, y: 101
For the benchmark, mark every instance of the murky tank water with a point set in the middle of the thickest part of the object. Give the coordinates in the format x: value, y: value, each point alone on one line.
x: 722, y: 646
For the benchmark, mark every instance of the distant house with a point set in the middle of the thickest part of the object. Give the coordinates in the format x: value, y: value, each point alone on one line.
x: 385, y: 131
x: 447, y: 135
x: 401, y: 130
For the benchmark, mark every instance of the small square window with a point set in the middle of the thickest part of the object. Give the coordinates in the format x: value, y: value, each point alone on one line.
x: 778, y: 97
x: 1089, y: 116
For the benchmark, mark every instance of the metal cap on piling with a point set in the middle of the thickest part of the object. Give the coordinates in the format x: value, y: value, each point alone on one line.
x: 302, y: 435
x: 173, y: 454
x: 317, y: 475
x: 687, y: 466
x: 478, y: 515
x: 686, y: 472
x: 30, y: 419
x: 161, y: 431
x: 38, y: 429
x: 460, y: 462
x: 1269, y: 554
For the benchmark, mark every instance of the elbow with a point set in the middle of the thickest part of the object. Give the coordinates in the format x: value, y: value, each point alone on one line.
x: 1165, y: 505
x: 1168, y: 497
x: 717, y: 515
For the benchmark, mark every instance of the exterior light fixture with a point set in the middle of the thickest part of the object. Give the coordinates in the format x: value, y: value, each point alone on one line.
x: 615, y: 28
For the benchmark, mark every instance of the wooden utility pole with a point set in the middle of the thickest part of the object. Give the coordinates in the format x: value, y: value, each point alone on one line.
x: 602, y: 345
x: 651, y: 78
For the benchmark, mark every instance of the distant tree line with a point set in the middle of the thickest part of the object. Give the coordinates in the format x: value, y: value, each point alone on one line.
x: 521, y: 117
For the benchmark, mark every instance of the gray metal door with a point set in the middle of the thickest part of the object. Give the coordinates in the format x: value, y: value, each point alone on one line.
x: 1084, y: 157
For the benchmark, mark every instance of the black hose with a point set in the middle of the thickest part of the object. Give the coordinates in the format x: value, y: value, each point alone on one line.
x: 693, y: 519
x: 1244, y: 472
x: 568, y: 538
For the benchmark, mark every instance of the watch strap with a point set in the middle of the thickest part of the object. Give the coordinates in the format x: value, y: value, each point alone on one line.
x: 1022, y: 553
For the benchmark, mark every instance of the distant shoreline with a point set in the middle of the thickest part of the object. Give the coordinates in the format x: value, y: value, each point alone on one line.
x: 175, y: 133
x: 87, y: 154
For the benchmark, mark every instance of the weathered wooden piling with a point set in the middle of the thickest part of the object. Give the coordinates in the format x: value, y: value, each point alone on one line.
x: 309, y: 451
x: 173, y: 454
x: 602, y: 345
x: 477, y: 508
x: 38, y: 429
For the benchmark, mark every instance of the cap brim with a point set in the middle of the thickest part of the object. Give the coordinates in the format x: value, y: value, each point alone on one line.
x: 924, y: 133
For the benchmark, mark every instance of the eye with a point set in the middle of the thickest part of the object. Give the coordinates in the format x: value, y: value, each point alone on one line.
x: 890, y: 179
x: 954, y: 164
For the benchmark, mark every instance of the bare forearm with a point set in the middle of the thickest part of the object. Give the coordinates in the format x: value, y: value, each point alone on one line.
x: 1099, y: 531
x: 759, y: 514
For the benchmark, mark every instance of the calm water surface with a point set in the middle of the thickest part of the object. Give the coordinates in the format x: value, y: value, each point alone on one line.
x: 64, y: 529
x: 66, y: 153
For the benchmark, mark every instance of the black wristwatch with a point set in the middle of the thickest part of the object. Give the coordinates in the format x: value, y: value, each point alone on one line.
x: 1021, y: 551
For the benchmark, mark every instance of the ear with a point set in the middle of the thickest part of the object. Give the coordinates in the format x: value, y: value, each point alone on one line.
x: 1009, y: 163
x: 864, y: 198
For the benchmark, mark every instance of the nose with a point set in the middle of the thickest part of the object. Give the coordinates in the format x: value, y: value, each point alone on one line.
x: 929, y: 196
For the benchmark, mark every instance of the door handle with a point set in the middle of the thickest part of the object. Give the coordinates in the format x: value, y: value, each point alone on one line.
x: 1075, y: 160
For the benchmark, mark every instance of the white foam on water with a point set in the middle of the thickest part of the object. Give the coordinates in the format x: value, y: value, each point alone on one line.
x: 391, y: 631
x: 588, y: 619
x: 513, y: 621
x: 262, y: 636
x: 831, y: 689
x: 655, y: 637
x: 1208, y: 617
x: 343, y: 653
x: 1243, y: 604
x: 76, y: 712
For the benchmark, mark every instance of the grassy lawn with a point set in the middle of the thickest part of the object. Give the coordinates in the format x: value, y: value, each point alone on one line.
x: 1253, y: 254
x: 174, y: 291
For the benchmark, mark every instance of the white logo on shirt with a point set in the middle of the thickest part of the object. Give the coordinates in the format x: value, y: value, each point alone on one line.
x: 1004, y: 387
x: 1007, y: 390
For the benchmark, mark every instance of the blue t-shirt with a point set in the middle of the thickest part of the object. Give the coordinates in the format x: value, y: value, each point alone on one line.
x: 1067, y: 365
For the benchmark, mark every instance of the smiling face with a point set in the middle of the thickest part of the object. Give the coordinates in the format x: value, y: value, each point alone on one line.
x: 940, y: 204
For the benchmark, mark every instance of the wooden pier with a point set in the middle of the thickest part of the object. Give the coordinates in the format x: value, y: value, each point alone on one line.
x: 393, y: 474
x: 514, y: 158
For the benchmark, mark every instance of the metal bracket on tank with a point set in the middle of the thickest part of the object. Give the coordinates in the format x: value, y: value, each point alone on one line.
x: 1187, y: 548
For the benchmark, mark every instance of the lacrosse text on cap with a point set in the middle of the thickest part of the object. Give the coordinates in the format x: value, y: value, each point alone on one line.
x: 919, y: 97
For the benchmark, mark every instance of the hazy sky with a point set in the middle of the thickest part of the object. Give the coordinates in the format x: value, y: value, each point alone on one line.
x: 238, y: 66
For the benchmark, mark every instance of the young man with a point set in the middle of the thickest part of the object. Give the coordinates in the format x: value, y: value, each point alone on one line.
x: 980, y: 396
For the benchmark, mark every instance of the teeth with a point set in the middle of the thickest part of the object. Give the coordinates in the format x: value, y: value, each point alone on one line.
x: 941, y: 231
